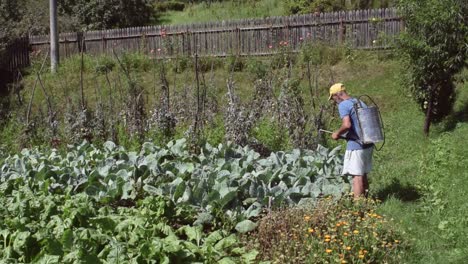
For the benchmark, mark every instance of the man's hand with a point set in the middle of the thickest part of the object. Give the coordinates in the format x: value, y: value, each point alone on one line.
x: 335, y: 136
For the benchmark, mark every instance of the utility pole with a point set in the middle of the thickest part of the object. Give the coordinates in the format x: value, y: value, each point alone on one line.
x: 54, y: 45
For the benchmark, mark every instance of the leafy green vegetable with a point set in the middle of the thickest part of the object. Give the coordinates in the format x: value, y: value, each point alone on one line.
x: 107, y: 205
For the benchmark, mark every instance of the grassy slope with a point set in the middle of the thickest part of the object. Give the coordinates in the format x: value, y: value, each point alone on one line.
x: 218, y: 11
x: 421, y: 180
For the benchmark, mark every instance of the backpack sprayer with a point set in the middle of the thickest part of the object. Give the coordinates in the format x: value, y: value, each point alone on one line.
x: 369, y: 121
x: 371, y: 128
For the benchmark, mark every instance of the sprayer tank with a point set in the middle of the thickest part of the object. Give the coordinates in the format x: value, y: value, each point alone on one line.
x: 370, y: 124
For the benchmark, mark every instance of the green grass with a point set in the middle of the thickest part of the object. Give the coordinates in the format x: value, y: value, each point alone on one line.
x: 224, y: 10
x: 421, y: 180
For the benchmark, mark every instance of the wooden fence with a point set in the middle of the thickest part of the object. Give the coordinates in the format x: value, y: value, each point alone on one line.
x: 376, y: 28
x: 16, y: 55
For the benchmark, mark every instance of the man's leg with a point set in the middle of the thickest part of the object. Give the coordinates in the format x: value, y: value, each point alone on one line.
x: 360, y: 185
x: 366, y: 185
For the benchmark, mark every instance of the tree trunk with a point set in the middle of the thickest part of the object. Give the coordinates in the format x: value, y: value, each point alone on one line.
x: 427, y: 121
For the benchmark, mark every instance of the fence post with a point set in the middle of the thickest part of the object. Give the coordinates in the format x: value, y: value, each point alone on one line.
x: 342, y: 31
x: 238, y: 41
x: 104, y: 42
x: 79, y: 40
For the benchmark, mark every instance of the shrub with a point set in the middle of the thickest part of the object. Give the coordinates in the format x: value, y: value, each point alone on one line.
x: 181, y: 63
x: 257, y: 67
x: 136, y: 61
x: 170, y: 5
x: 105, y: 64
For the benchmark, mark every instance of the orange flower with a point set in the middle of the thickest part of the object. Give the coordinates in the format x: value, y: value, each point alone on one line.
x: 328, y: 250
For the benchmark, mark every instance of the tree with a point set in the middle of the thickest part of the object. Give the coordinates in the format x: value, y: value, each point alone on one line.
x: 106, y: 14
x: 434, y: 48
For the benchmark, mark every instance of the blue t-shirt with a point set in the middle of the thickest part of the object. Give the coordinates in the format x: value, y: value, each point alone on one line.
x: 346, y: 108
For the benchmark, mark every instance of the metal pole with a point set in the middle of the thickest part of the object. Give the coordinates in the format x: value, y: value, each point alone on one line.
x: 54, y: 42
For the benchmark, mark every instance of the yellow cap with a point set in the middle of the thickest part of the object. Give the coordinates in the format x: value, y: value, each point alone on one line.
x: 337, y: 87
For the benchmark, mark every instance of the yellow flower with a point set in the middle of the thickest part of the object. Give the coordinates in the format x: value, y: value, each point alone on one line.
x: 345, y: 234
x: 361, y: 256
x: 307, y: 218
x: 344, y: 262
x: 328, y: 250
x: 310, y: 230
x: 355, y: 232
x: 327, y: 236
x: 327, y: 240
x: 348, y: 248
x: 397, y: 241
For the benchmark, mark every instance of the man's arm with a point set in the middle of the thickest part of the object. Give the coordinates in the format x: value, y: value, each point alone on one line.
x: 345, y: 126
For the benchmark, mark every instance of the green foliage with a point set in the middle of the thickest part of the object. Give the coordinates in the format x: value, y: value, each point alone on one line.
x: 9, y: 133
x: 321, y: 54
x: 311, y: 6
x: 74, y: 228
x: 164, y: 6
x: 257, y: 67
x: 96, y: 204
x: 105, y: 14
x: 434, y: 48
x: 136, y: 62
x: 104, y: 65
x: 214, y: 133
x: 283, y: 58
x: 205, y: 11
x: 208, y: 63
x: 235, y: 63
x: 272, y: 135
x: 197, y: 180
x: 181, y: 63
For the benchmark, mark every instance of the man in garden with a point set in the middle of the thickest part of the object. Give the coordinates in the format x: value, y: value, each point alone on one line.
x: 358, y: 156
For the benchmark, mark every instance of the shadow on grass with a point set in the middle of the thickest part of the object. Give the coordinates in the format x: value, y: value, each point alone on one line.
x: 460, y: 116
x: 402, y: 192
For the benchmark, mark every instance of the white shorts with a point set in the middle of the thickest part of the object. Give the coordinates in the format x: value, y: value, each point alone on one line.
x: 357, y: 162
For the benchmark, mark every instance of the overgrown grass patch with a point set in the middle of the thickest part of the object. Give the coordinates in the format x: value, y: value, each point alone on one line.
x: 223, y: 10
